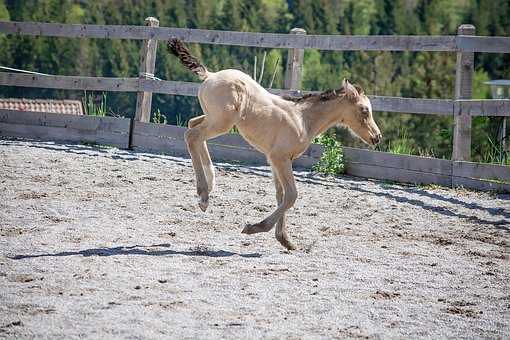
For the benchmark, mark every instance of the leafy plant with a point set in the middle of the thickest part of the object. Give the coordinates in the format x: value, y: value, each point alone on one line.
x: 158, y: 117
x: 332, y: 160
x: 94, y: 108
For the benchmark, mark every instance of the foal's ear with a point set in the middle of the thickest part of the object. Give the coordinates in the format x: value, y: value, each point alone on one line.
x: 350, y: 91
x: 359, y: 89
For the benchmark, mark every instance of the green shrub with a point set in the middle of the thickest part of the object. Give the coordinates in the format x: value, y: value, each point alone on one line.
x: 332, y: 160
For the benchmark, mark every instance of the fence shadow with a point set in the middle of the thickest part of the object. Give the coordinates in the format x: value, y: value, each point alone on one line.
x: 346, y: 182
x: 502, y: 224
x: 140, y: 250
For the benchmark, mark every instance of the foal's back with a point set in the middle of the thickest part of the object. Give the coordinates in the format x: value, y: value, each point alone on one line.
x: 232, y: 97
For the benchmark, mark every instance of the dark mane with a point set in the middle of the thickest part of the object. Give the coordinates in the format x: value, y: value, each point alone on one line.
x: 323, y: 96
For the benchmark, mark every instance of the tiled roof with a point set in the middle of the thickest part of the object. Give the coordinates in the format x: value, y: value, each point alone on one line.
x: 72, y: 107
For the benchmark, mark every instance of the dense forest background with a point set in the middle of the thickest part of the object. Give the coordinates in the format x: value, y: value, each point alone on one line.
x: 408, y: 74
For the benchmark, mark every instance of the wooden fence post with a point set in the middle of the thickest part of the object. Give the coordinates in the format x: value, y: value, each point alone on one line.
x: 463, y: 90
x: 294, y: 64
x: 147, y: 66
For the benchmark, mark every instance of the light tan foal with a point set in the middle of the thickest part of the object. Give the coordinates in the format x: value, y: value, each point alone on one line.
x: 281, y: 128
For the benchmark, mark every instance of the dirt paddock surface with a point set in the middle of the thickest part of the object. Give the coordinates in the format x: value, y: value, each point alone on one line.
x: 104, y: 243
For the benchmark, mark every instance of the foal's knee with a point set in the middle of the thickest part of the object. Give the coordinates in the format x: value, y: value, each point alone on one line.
x: 192, y: 136
x: 289, y: 198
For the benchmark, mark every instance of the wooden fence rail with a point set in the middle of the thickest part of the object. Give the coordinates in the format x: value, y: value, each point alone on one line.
x: 448, y: 43
x: 500, y: 107
x: 128, y: 133
x: 59, y: 127
x: 380, y: 103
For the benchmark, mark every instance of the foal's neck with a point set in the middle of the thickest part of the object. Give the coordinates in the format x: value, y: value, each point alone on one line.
x: 318, y: 116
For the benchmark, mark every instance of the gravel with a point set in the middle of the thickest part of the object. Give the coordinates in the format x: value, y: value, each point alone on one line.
x: 99, y: 242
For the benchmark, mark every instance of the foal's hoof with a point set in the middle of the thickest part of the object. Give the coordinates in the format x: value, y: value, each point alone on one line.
x: 248, y: 229
x: 289, y: 245
x: 256, y: 228
x: 284, y: 241
x: 203, y: 204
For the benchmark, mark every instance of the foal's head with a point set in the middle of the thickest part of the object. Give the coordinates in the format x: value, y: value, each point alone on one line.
x: 358, y: 114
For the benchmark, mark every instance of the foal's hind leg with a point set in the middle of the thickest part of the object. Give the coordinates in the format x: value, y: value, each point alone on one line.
x: 205, y: 158
x: 282, y: 168
x: 281, y: 226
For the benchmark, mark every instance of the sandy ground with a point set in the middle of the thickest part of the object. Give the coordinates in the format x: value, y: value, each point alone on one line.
x: 107, y: 243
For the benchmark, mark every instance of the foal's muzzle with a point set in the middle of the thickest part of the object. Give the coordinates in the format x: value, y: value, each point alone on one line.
x: 376, y: 139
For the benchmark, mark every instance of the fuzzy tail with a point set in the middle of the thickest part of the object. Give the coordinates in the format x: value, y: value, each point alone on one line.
x: 177, y: 48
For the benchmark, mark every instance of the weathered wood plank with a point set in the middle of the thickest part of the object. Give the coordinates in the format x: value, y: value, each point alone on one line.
x: 463, y: 89
x: 481, y: 170
x: 274, y: 40
x: 181, y: 88
x: 380, y: 103
x: 177, y: 147
x: 389, y: 160
x: 315, y: 151
x: 395, y: 174
x: 304, y: 162
x: 91, y: 123
x: 294, y: 67
x: 147, y: 66
x: 170, y: 146
x: 99, y: 83
x: 490, y: 107
x: 483, y: 44
x: 50, y: 133
x: 478, y: 184
x: 70, y: 82
x: 177, y: 132
x: 159, y: 130
x: 395, y: 104
x: 412, y: 105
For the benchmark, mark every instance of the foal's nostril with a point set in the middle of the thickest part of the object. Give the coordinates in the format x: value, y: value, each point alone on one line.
x: 377, y: 139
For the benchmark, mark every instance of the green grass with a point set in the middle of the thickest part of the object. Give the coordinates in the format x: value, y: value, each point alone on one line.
x: 402, y: 145
x: 179, y: 121
x: 332, y: 160
x: 495, y: 153
x: 92, y: 108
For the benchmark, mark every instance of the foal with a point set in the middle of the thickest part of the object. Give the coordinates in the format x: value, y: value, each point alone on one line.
x: 280, y: 127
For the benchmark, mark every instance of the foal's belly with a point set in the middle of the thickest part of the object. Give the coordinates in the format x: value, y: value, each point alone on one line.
x: 270, y: 139
x: 255, y: 137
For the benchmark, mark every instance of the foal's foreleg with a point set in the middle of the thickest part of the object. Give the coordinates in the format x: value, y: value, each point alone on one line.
x: 205, y: 158
x: 195, y: 137
x: 200, y: 131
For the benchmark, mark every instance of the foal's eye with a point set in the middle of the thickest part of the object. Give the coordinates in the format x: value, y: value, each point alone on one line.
x: 364, y: 111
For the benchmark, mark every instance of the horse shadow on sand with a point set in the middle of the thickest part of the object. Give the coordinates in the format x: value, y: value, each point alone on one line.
x: 140, y: 250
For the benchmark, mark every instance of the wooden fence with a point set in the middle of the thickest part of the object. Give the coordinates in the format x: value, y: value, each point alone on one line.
x: 169, y: 139
x: 143, y: 135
